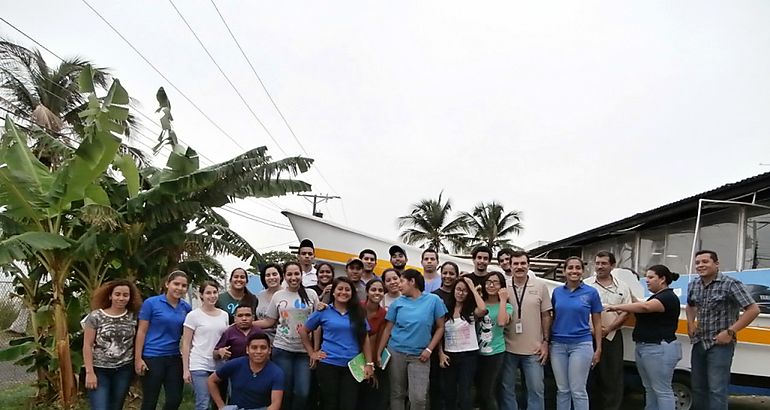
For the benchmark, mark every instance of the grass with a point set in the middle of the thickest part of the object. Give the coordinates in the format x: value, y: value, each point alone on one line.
x: 17, y: 396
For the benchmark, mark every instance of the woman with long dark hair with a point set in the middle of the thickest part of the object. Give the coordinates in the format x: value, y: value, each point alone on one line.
x: 108, y: 343
x: 271, y: 277
x: 492, y: 338
x: 202, y: 329
x: 288, y: 310
x: 458, y: 354
x: 574, y: 350
x: 237, y: 294
x: 325, y: 274
x: 345, y: 335
x: 157, y: 357
x: 657, y: 350
x: 374, y: 394
x: 392, y: 281
x: 413, y: 328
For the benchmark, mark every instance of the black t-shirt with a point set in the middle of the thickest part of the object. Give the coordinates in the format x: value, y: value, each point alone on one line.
x: 444, y: 295
x: 477, y: 280
x: 659, y: 326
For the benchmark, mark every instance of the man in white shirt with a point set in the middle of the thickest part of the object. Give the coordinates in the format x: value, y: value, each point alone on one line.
x: 606, y: 378
x: 306, y: 258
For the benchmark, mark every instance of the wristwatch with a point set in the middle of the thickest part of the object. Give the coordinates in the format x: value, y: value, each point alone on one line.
x: 370, y: 364
x: 730, y: 332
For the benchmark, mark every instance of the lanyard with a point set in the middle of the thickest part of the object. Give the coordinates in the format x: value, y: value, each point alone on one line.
x: 615, y: 285
x: 520, y: 301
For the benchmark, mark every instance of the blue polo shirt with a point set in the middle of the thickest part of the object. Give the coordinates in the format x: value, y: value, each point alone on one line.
x: 251, y: 390
x: 572, y: 310
x: 413, y: 321
x: 165, y: 330
x: 339, y: 339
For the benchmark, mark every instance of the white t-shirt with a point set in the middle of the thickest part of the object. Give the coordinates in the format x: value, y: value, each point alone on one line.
x: 290, y: 312
x: 206, y: 333
x: 460, y: 336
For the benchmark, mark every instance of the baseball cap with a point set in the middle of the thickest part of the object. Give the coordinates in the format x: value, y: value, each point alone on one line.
x: 395, y: 249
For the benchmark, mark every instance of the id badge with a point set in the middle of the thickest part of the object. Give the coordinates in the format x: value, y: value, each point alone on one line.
x: 519, y: 328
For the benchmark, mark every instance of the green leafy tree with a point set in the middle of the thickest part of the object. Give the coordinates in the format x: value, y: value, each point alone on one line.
x: 277, y: 257
x: 488, y: 224
x: 429, y: 224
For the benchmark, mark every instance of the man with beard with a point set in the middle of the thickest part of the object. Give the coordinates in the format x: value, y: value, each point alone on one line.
x: 369, y: 258
x: 481, y: 256
x: 526, y: 336
x: 606, y: 378
x: 398, y: 258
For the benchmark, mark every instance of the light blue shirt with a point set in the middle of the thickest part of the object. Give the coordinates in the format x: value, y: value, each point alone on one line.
x: 433, y: 284
x: 413, y: 321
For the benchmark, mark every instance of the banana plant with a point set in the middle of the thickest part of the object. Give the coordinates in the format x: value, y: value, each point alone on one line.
x: 48, y: 203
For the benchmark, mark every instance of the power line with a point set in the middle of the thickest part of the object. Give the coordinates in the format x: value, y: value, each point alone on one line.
x: 246, y: 215
x: 277, y: 208
x: 221, y: 71
x: 163, y: 76
x: 269, y: 96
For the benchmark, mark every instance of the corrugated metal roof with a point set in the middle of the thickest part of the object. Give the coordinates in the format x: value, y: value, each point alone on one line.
x: 662, y: 214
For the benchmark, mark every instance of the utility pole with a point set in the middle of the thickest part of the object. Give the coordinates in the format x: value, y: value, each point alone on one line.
x: 317, y: 199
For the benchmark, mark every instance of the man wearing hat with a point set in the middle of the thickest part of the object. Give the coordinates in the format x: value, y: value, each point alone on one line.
x: 398, y: 258
x: 306, y: 259
x: 354, y: 269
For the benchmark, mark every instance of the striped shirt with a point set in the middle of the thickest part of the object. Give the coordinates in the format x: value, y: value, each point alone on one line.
x: 719, y: 304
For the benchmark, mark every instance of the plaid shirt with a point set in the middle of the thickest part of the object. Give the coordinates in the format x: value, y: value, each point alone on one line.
x: 719, y: 304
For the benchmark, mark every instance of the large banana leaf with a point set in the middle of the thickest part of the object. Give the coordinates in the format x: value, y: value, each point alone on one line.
x: 22, y: 246
x: 23, y: 178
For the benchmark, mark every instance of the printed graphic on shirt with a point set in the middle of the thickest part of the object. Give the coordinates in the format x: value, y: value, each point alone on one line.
x: 485, y: 334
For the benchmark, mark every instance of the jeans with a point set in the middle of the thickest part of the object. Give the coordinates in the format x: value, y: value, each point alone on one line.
x: 200, y: 380
x: 457, y: 379
x: 656, y: 363
x: 571, y: 363
x: 488, y: 380
x: 710, y: 375
x: 339, y: 390
x: 605, y: 380
x: 534, y: 376
x: 296, y: 372
x: 408, y: 377
x: 111, y: 387
x: 166, y: 372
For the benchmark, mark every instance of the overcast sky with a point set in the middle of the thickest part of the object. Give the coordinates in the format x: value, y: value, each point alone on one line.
x: 574, y: 113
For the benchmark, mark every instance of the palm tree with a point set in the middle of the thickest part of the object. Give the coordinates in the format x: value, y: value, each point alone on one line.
x: 428, y: 225
x: 488, y: 224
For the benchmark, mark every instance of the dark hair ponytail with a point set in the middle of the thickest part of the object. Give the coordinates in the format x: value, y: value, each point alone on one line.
x: 355, y: 310
x: 664, y: 272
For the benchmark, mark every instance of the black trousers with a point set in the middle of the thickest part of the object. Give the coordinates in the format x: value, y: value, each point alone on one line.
x: 339, y: 390
x: 605, y: 381
x: 165, y: 372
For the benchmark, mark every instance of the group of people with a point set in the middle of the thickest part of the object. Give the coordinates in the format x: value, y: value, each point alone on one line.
x: 427, y: 340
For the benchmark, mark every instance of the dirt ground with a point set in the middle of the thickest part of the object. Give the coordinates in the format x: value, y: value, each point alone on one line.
x: 636, y: 402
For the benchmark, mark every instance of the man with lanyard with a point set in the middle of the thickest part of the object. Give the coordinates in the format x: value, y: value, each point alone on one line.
x: 429, y: 261
x: 306, y: 258
x: 481, y: 256
x: 369, y: 258
x: 398, y: 258
x: 714, y: 303
x: 526, y: 336
x: 504, y: 260
x: 606, y: 379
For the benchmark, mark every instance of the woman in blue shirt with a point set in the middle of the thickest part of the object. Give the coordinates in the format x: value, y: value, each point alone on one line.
x: 157, y: 357
x: 344, y: 328
x: 572, y: 344
x: 410, y: 320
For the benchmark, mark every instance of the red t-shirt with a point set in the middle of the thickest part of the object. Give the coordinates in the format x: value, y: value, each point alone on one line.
x: 376, y: 321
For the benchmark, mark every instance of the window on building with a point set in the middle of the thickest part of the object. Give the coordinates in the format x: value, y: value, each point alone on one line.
x: 756, y: 254
x: 719, y: 233
x: 621, y: 246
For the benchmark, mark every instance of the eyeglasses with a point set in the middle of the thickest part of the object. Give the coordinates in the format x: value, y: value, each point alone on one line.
x: 461, y: 290
x: 492, y: 283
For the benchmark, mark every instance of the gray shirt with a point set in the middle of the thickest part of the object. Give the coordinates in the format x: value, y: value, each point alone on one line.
x: 114, y: 342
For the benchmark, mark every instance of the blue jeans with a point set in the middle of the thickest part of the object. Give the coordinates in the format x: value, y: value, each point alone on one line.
x: 200, y: 385
x: 296, y: 373
x: 111, y: 387
x: 533, y: 376
x: 656, y: 363
x: 571, y: 363
x: 710, y: 375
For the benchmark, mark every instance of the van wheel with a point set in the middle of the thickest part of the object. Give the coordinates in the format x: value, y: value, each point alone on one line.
x: 682, y: 391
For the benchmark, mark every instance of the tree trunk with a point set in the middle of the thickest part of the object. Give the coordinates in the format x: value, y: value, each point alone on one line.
x: 61, y: 336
